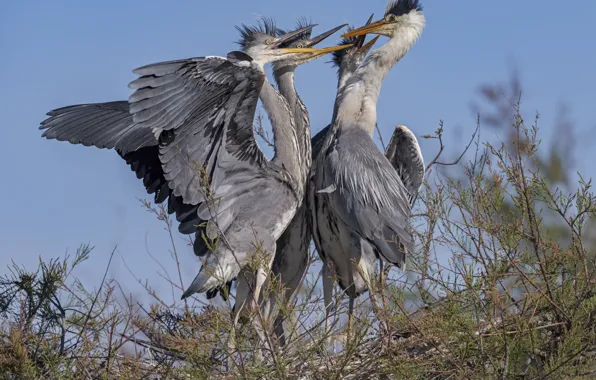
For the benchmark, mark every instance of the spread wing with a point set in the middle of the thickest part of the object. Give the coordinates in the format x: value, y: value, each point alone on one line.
x: 146, y: 165
x: 104, y: 125
x: 202, y: 111
x: 367, y: 194
x: 403, y: 152
x: 110, y: 125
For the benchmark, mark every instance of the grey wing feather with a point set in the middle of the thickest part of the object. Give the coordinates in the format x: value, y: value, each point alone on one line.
x: 110, y: 125
x: 146, y: 165
x: 208, y: 106
x: 403, y: 152
x: 370, y: 197
x: 104, y: 125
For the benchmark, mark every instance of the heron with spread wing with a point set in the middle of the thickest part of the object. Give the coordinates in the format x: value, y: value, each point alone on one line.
x: 191, y: 139
x: 360, y: 204
x: 111, y: 125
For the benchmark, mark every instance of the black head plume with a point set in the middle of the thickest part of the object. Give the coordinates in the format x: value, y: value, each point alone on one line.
x: 301, y: 23
x: 357, y: 41
x: 248, y: 33
x: 339, y: 54
x: 402, y: 7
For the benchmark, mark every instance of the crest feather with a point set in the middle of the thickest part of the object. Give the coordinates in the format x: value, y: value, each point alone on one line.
x: 402, y: 7
x: 301, y: 23
x: 339, y: 54
x: 266, y: 25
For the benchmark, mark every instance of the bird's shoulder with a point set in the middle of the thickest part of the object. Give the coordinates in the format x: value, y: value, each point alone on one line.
x: 227, y: 71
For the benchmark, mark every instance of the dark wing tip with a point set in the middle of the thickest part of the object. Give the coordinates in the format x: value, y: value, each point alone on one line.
x: 237, y: 56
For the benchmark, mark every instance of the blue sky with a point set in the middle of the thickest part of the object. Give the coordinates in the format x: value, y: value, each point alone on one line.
x: 56, y: 195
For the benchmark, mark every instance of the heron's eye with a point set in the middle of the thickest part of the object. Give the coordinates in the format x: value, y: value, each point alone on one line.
x: 391, y: 17
x: 267, y: 42
x: 299, y: 46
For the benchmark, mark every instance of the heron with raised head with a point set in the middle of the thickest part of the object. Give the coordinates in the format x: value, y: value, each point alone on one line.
x: 292, y: 254
x: 360, y: 206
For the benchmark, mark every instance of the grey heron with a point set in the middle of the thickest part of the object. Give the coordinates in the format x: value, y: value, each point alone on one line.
x: 283, y: 72
x: 360, y: 206
x: 205, y: 107
x: 292, y: 254
x: 192, y: 122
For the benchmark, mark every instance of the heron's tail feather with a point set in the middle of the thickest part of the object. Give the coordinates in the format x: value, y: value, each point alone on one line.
x: 210, y: 277
x: 394, y: 245
x: 200, y: 284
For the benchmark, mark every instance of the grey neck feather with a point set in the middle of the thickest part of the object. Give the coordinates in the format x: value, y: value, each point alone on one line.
x: 284, y: 77
x: 346, y: 69
x: 357, y: 100
x: 285, y: 134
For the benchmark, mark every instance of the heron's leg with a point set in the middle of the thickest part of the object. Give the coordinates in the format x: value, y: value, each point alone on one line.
x: 328, y: 299
x: 232, y: 337
x: 351, y: 312
x: 351, y: 293
x: 383, y: 326
x: 367, y: 273
x: 242, y: 302
x: 330, y: 304
x: 271, y: 308
x: 293, y: 326
x: 259, y: 321
x: 268, y: 249
x: 279, y: 330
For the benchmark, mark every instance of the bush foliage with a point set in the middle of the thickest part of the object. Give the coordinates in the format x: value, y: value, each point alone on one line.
x: 503, y: 286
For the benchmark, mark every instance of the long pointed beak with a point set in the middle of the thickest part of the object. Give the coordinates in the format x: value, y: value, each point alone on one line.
x: 321, y: 37
x: 367, y: 29
x: 369, y: 44
x: 360, y: 41
x: 288, y: 36
x: 315, y: 51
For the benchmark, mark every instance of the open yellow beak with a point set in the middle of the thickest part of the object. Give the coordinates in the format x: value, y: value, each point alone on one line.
x: 370, y: 43
x: 367, y: 29
x: 315, y: 51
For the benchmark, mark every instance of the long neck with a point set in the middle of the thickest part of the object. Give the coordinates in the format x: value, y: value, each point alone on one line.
x: 346, y: 69
x: 357, y: 100
x: 284, y: 76
x: 286, y: 141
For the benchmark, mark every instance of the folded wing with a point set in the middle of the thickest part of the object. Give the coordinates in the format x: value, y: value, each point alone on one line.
x: 372, y: 200
x: 403, y: 152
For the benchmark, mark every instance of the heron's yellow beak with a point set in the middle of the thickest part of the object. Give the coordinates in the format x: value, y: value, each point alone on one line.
x: 370, y: 43
x: 288, y: 36
x: 373, y: 28
x: 314, y: 51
